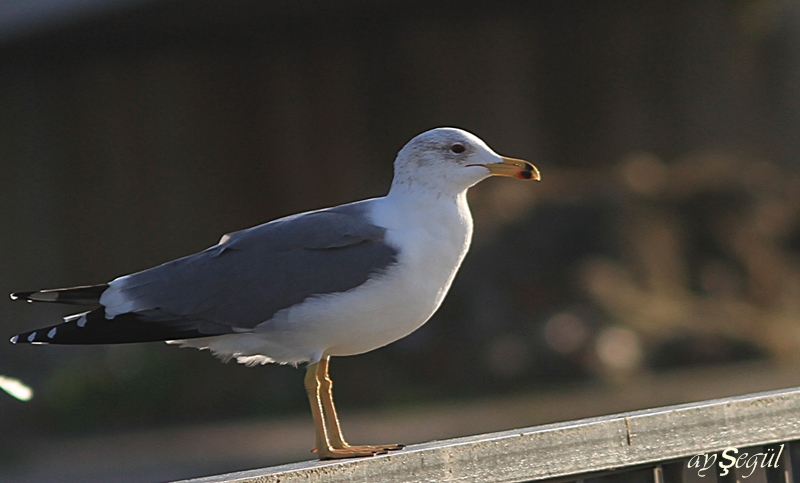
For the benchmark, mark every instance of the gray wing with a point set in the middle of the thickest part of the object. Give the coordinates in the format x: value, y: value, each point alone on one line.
x: 254, y: 273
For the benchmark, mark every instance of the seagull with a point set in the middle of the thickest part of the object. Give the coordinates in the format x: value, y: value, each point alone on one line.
x: 304, y: 288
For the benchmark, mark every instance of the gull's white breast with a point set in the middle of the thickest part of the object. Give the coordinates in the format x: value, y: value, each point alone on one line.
x: 432, y: 242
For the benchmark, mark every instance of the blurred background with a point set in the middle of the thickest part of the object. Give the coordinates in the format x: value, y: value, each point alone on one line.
x: 656, y: 263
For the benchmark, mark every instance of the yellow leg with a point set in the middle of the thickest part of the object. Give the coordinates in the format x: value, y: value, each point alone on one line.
x: 330, y: 442
x: 312, y: 389
x: 329, y: 410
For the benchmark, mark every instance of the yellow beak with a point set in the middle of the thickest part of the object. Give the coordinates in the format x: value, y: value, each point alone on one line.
x: 514, y: 168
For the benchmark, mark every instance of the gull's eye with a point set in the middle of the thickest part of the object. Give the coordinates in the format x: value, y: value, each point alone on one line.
x: 458, y: 148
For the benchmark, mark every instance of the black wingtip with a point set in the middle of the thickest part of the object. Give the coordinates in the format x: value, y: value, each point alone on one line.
x: 93, y: 328
x: 81, y: 295
x: 36, y: 337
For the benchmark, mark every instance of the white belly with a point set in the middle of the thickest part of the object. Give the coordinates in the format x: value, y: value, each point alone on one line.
x: 393, y: 305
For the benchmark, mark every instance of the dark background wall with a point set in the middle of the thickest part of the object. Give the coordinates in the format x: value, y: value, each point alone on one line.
x: 133, y: 132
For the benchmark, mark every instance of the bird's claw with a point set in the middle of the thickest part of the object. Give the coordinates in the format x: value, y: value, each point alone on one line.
x: 357, y: 451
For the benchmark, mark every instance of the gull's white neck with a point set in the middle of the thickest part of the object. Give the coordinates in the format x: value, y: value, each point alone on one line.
x: 432, y: 230
x: 433, y: 210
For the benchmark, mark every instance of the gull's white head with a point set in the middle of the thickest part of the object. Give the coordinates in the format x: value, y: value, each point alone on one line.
x: 448, y: 161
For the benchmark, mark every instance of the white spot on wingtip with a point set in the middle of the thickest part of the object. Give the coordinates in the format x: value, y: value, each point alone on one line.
x: 74, y: 317
x: 14, y: 339
x: 52, y: 333
x: 13, y: 296
x: 32, y: 336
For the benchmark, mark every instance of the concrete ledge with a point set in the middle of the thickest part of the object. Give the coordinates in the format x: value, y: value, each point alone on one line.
x: 563, y: 449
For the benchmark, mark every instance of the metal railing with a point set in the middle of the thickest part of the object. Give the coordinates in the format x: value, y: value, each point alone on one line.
x: 750, y: 436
